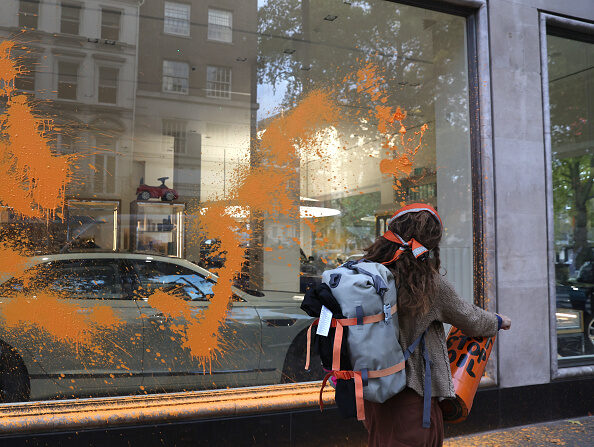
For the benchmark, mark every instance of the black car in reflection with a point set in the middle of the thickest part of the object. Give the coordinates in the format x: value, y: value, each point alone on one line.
x: 575, y: 319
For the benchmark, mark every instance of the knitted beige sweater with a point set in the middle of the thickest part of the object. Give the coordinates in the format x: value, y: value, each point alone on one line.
x: 446, y: 307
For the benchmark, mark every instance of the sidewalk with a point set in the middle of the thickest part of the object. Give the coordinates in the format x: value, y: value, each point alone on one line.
x: 576, y: 432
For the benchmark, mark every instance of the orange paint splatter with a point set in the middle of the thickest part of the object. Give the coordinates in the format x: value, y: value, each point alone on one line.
x: 34, y: 178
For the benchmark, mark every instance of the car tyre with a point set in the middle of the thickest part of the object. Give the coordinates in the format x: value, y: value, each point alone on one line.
x: 14, y: 378
x: 144, y: 195
x: 168, y: 196
x: 293, y: 368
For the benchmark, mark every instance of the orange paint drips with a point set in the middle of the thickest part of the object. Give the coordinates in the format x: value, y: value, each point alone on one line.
x: 35, y: 179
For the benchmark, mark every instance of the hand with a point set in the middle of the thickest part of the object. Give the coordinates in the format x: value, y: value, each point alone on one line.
x: 505, y: 322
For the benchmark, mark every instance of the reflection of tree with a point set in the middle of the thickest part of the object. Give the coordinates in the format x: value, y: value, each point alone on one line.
x: 572, y: 189
x: 571, y: 137
x: 298, y: 48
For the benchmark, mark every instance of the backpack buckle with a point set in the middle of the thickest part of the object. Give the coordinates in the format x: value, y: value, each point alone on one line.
x: 387, y: 313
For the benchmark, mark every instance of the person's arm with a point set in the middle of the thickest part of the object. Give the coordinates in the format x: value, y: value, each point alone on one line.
x: 470, y: 319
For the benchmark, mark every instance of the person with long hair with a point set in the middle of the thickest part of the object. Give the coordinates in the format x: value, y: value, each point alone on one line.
x: 410, y: 250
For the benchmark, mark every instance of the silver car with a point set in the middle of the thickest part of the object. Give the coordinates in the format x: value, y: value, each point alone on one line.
x: 263, y: 338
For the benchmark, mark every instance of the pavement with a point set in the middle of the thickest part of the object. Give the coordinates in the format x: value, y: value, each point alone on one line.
x: 575, y: 432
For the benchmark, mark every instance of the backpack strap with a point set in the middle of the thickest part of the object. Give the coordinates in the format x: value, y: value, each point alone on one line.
x: 338, y: 324
x: 427, y: 385
x: 361, y: 378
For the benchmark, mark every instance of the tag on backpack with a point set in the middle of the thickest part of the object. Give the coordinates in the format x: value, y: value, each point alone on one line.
x: 324, y: 322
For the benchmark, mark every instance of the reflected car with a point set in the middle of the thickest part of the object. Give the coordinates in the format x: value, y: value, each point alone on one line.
x: 263, y: 338
x: 575, y: 316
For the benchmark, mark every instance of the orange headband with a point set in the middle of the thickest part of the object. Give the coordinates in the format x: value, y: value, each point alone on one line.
x: 415, y: 246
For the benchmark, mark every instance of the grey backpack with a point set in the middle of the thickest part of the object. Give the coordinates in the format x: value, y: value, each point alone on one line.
x: 367, y: 296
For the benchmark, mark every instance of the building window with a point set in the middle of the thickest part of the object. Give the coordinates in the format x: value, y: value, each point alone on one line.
x: 174, y: 136
x: 176, y: 19
x: 70, y: 19
x: 108, y: 85
x: 571, y: 96
x: 65, y: 143
x: 28, y: 13
x: 220, y: 25
x: 110, y: 24
x: 104, y: 167
x: 67, y: 80
x: 26, y: 79
x: 218, y: 82
x: 175, y: 77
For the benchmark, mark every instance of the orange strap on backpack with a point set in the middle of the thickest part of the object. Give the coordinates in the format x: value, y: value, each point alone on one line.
x: 358, y: 376
x: 339, y: 324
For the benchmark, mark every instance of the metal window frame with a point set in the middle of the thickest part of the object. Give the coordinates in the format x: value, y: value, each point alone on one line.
x: 133, y: 410
x: 571, y: 29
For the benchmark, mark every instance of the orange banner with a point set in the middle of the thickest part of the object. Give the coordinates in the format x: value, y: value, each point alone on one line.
x: 468, y: 357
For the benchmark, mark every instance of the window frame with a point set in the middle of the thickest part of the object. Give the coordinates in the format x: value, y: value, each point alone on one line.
x: 65, y: 5
x: 236, y: 402
x: 551, y: 24
x: 99, y: 83
x: 212, y: 39
x: 217, y: 93
x: 76, y: 83
x: 21, y: 13
x: 163, y: 75
x: 102, y: 26
x: 171, y: 32
x: 174, y: 125
x: 102, y: 151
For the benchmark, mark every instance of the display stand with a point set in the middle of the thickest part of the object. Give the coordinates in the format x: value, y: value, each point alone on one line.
x: 157, y: 227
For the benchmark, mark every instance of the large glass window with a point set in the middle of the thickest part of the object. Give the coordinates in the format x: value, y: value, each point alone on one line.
x: 571, y: 100
x: 223, y: 202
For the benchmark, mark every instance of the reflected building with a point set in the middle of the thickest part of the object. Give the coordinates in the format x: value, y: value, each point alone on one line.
x: 80, y: 62
x: 194, y: 101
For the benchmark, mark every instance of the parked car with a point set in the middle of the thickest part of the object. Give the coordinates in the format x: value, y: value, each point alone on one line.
x: 264, y: 335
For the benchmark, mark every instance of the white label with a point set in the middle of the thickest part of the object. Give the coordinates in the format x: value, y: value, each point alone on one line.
x: 324, y: 323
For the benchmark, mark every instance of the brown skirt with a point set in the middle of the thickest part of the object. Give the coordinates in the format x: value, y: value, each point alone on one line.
x: 398, y: 422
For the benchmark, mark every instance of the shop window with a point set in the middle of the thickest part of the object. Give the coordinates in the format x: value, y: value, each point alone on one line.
x: 220, y: 25
x: 571, y: 106
x: 110, y: 24
x: 67, y: 80
x: 174, y: 136
x: 177, y: 19
x: 176, y: 77
x: 218, y: 82
x: 28, y: 13
x: 108, y: 85
x: 70, y: 18
x: 296, y: 175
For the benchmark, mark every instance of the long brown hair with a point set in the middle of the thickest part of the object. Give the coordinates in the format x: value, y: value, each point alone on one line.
x: 416, y: 279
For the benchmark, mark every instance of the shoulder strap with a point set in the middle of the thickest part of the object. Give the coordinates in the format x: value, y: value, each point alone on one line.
x: 427, y: 385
